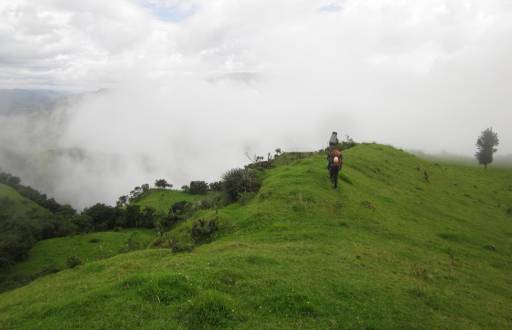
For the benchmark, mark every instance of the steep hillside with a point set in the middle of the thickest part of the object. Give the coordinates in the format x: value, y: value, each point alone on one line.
x: 13, y: 203
x: 405, y: 244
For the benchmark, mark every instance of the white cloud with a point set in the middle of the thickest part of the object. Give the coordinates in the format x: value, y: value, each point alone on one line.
x: 237, y: 75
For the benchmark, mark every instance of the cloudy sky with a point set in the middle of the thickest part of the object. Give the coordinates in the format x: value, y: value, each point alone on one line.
x: 250, y: 76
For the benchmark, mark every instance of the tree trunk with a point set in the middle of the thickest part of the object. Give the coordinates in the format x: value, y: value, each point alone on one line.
x: 485, y: 166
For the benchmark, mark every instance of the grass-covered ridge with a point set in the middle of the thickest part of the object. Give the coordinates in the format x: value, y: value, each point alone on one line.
x: 390, y: 250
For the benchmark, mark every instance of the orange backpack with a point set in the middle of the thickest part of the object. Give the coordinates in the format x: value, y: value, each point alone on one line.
x: 336, y: 158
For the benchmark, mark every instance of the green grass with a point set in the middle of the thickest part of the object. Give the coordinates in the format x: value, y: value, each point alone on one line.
x: 162, y: 199
x: 387, y: 251
x: 15, y: 204
x: 52, y: 254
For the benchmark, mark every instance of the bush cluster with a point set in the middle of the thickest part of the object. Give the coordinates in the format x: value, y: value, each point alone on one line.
x: 73, y: 261
x: 198, y: 188
x: 238, y: 181
x: 203, y: 229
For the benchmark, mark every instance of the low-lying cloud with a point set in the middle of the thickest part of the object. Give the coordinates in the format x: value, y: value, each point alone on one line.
x: 188, y: 97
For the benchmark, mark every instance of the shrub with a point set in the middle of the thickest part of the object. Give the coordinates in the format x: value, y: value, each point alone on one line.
x: 215, y: 186
x: 238, y: 181
x: 203, y: 229
x: 164, y: 223
x: 180, y: 208
x: 94, y: 240
x: 211, y: 201
x: 73, y: 261
x: 198, y: 188
x: 180, y: 246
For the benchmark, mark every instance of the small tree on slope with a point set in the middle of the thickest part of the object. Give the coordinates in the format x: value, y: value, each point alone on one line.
x: 486, y: 144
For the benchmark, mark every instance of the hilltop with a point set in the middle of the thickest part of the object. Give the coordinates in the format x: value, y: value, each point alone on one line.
x: 405, y: 243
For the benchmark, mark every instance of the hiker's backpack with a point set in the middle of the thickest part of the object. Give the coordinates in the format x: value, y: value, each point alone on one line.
x: 336, y: 158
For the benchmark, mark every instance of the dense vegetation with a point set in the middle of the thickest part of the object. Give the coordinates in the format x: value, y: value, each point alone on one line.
x: 35, y: 196
x: 404, y: 244
x: 22, y: 224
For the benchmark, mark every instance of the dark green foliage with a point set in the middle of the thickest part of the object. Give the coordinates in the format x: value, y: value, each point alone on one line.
x: 23, y: 223
x: 103, y: 216
x: 122, y: 201
x: 198, y: 188
x: 181, y: 208
x: 35, y: 196
x: 83, y: 222
x: 202, y: 230
x: 486, y: 144
x: 213, y: 200
x: 215, y: 186
x: 132, y: 215
x: 180, y: 246
x: 73, y: 261
x: 237, y: 181
x: 162, y: 183
x: 148, y: 218
x: 164, y: 223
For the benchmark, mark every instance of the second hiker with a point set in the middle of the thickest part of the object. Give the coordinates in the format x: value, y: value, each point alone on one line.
x: 334, y: 159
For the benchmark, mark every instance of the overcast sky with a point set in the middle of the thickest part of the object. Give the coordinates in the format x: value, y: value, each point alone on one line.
x: 254, y: 75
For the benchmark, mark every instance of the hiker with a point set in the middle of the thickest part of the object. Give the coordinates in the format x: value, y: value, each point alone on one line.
x: 335, y: 158
x: 333, y: 141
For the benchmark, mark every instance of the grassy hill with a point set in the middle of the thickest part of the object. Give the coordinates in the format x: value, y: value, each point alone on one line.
x: 390, y: 250
x: 52, y: 254
x: 15, y: 204
x: 162, y: 199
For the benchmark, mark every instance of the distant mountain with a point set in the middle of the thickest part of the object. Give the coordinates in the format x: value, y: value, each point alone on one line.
x: 13, y: 101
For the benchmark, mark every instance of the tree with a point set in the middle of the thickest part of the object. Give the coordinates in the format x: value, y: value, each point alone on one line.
x: 198, y: 188
x: 148, y: 217
x: 162, y: 183
x: 103, y: 216
x: 132, y: 215
x: 486, y: 144
x: 215, y: 186
x: 135, y: 193
x: 145, y: 188
x: 123, y: 200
